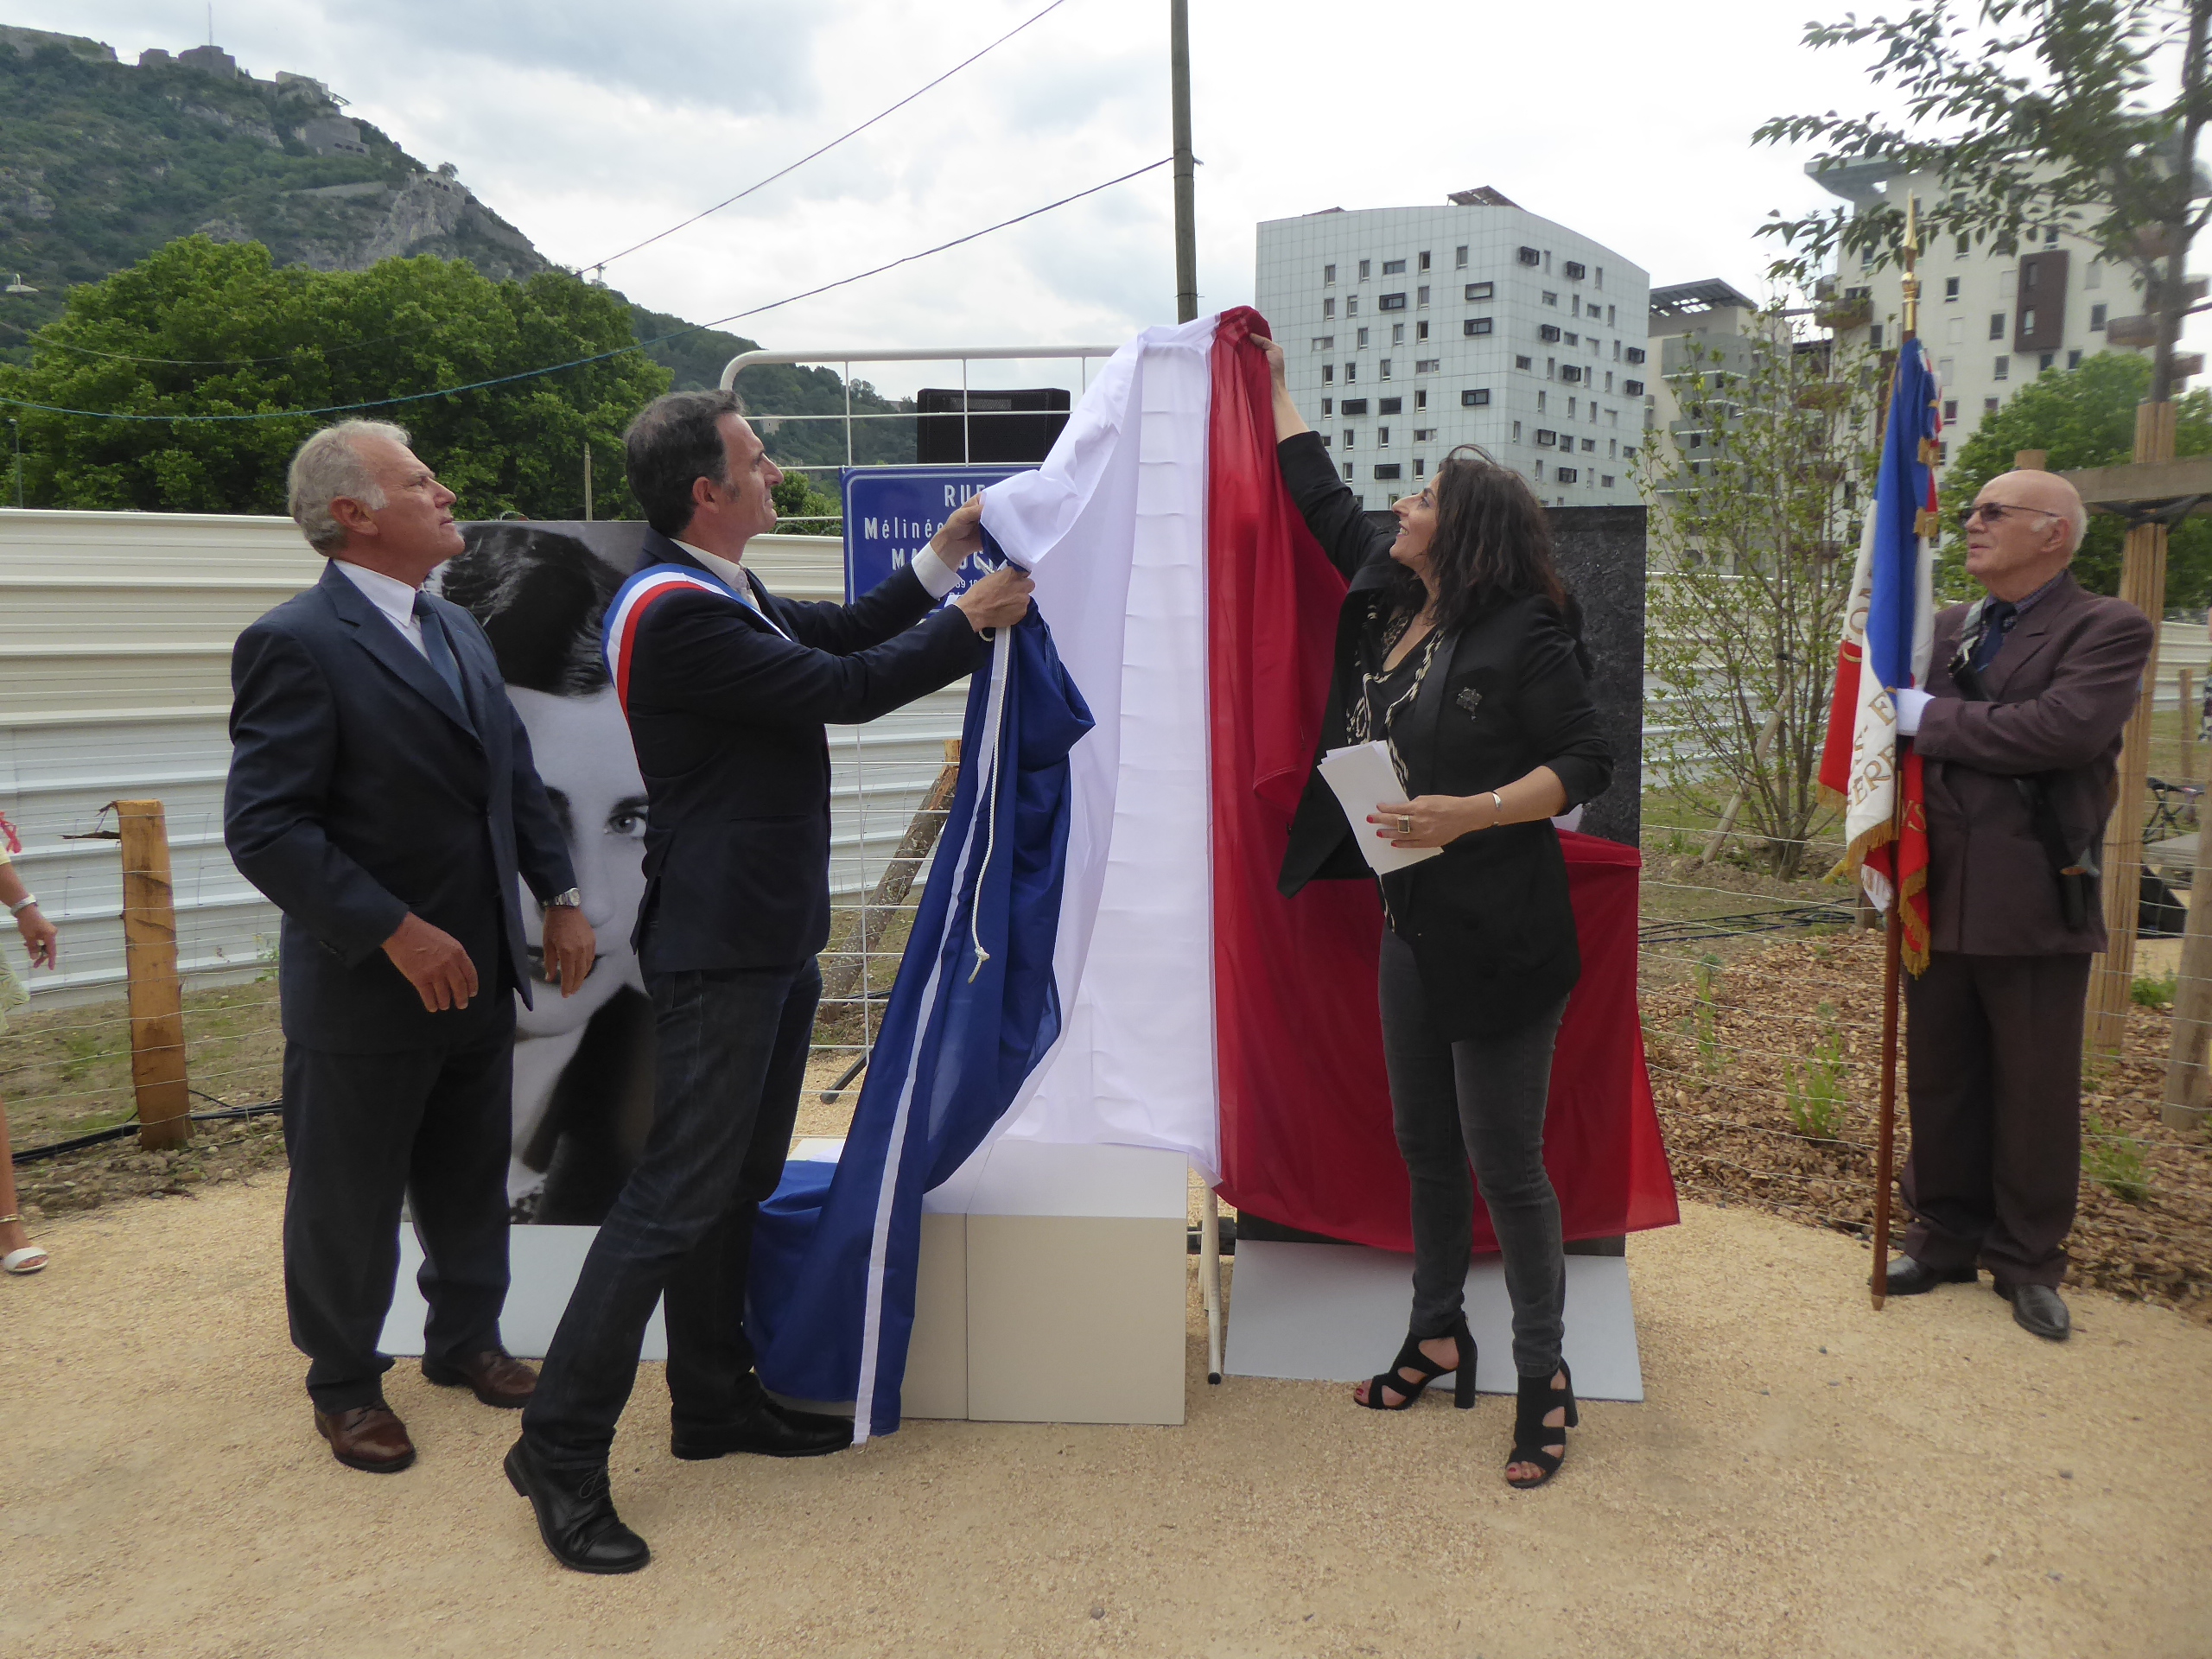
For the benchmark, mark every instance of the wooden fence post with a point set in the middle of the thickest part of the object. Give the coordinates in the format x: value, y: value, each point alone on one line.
x: 156, y: 994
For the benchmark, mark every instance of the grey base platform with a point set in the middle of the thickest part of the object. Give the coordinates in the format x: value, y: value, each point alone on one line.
x: 542, y: 1263
x: 1337, y: 1313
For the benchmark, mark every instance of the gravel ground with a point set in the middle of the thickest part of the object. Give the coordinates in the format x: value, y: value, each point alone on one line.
x: 1806, y: 1477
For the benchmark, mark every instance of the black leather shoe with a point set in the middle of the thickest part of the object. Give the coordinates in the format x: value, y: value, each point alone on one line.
x: 2039, y: 1309
x: 1908, y: 1278
x: 763, y: 1427
x: 576, y: 1514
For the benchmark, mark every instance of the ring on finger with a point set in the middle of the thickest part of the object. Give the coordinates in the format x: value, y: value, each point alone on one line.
x: 1405, y: 823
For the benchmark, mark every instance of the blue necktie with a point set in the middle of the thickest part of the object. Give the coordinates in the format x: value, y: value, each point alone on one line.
x: 439, y: 650
x: 1997, y: 618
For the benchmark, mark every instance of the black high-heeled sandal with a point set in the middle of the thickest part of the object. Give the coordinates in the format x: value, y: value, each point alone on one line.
x: 1537, y: 1398
x: 1410, y: 1358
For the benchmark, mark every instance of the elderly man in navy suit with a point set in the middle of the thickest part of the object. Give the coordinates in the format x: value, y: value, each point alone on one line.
x: 726, y: 687
x: 381, y: 793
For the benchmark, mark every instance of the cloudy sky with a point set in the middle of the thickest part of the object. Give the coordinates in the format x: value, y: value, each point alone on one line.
x: 591, y: 127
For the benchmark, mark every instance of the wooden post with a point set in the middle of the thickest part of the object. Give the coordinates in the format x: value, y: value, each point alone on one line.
x: 2143, y: 584
x: 156, y: 994
x: 2185, y: 767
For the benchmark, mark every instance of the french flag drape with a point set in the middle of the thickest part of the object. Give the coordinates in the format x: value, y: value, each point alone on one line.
x: 1197, y: 1009
x: 1888, y: 634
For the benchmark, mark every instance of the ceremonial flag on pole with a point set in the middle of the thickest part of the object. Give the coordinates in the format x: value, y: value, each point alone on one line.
x: 1887, y: 633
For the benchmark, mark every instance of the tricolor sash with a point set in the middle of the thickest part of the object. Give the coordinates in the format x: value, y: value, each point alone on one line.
x: 637, y: 595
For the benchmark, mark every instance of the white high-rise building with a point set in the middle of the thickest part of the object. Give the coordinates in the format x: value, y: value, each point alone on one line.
x: 1412, y: 330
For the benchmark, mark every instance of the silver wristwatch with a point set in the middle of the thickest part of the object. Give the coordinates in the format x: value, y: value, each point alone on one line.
x: 572, y: 900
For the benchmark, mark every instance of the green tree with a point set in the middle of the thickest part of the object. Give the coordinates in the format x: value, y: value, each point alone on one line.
x: 1754, y: 525
x: 2039, y: 116
x: 202, y: 328
x: 2084, y: 418
x: 805, y: 508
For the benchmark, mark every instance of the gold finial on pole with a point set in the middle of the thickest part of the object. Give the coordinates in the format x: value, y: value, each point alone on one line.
x: 1911, y: 285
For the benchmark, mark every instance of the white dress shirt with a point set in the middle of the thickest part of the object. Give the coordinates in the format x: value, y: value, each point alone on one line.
x: 390, y: 595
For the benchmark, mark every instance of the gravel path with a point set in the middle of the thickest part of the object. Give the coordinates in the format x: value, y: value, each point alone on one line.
x: 1807, y: 1478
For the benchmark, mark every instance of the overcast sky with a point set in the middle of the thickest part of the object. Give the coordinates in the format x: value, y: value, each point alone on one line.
x: 590, y: 126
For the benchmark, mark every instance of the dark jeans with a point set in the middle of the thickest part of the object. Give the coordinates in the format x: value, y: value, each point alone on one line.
x: 362, y: 1130
x: 1993, y: 1082
x: 1485, y: 1097
x: 730, y: 1058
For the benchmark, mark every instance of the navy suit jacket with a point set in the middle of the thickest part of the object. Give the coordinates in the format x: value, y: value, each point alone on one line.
x: 358, y: 791
x: 727, y: 716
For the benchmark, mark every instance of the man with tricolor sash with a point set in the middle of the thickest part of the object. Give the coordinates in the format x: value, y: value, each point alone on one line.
x: 727, y: 689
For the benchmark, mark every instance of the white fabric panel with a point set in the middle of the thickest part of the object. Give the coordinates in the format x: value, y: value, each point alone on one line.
x: 1113, y: 527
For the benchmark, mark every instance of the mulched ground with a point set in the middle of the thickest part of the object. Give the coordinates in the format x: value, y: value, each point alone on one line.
x: 1722, y: 1059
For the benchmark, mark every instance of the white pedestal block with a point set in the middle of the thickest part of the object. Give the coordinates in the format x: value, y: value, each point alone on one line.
x: 1337, y: 1313
x: 542, y: 1262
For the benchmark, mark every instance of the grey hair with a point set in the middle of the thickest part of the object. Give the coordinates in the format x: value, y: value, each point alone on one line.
x: 330, y: 465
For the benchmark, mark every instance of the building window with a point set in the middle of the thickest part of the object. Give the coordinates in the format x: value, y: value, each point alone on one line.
x: 1324, y: 439
x: 1530, y: 257
x: 1635, y: 353
x: 1381, y: 437
x: 1589, y: 446
x: 1351, y: 305
x: 1546, y: 438
x: 2095, y: 275
x: 1551, y: 368
x: 1601, y: 277
x: 1354, y: 406
x: 1424, y: 262
x: 1328, y: 373
x: 1610, y: 324
x: 1325, y: 342
x: 1351, y: 438
x: 1997, y: 325
x: 2073, y: 359
x: 1944, y: 370
x: 1393, y: 267
x: 1392, y: 301
x: 2050, y: 237
x: 1989, y: 405
x: 1571, y: 374
x: 1572, y: 339
x: 1962, y: 250
x: 1420, y: 467
x: 1390, y: 470
x: 1361, y: 500
x: 1547, y: 332
x: 1475, y: 326
x: 1540, y: 471
x: 2097, y: 320
x: 1575, y: 270
x: 1874, y: 337
x: 1328, y: 407
x: 2002, y: 369
x: 1481, y: 290
x: 1633, y: 388
x: 2046, y: 361
x: 1609, y: 379
x: 2030, y: 275
x: 1475, y: 398
x: 1565, y: 474
x: 2028, y: 316
x: 1329, y: 309
x: 1524, y: 363
x: 1390, y: 406
x: 1420, y: 329
x: 1540, y: 401
x: 1362, y: 344
x: 1351, y: 373
x: 1329, y: 275
x: 1460, y: 258
x: 1606, y: 482
x: 1426, y: 365
x: 1628, y: 451
x: 1950, y: 410
x: 1424, y: 434
x: 1421, y: 400
x: 1420, y: 295
x: 1386, y: 368
x: 1397, y: 334
x: 1550, y: 298
x: 1365, y: 265
x: 1516, y: 431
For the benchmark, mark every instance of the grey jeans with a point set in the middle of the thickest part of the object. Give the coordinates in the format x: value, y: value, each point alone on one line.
x: 1485, y: 1097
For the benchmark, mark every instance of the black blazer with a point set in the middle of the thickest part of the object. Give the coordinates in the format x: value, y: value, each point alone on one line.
x: 727, y: 716
x: 1490, y: 921
x: 359, y: 790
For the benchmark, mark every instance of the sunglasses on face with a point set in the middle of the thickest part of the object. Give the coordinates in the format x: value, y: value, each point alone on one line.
x: 1995, y: 512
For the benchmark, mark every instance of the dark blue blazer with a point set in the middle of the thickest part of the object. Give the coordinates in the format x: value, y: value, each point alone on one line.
x: 359, y: 790
x: 727, y: 717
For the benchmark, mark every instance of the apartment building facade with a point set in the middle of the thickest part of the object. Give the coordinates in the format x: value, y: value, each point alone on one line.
x: 1409, y: 331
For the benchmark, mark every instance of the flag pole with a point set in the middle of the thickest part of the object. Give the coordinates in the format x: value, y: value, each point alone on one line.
x: 1893, y: 917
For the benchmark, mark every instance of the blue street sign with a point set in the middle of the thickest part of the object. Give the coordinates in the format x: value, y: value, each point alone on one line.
x: 891, y: 512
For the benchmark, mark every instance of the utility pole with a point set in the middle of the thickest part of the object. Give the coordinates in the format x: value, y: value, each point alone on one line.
x: 1186, y: 235
x: 15, y: 432
x: 586, y: 480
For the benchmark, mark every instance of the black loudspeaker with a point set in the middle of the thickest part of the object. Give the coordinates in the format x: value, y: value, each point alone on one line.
x: 1001, y: 427
x: 2158, y: 914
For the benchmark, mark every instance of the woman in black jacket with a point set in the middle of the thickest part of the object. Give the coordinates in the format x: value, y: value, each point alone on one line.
x: 1457, y: 646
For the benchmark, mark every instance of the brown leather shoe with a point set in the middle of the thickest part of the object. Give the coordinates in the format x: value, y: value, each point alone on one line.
x: 495, y: 1376
x: 368, y: 1438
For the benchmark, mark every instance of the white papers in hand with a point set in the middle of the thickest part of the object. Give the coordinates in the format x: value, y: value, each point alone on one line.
x: 1364, y: 778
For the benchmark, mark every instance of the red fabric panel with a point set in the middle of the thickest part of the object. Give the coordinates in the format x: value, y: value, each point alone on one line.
x: 1306, y: 1137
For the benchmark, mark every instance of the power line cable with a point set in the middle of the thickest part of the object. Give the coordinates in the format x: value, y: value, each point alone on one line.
x: 602, y: 264
x: 598, y: 357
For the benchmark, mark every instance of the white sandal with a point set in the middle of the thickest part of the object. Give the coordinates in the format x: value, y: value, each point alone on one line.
x: 29, y: 1259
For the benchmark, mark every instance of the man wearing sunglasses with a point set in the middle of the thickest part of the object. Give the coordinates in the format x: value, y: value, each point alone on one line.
x: 2020, y: 726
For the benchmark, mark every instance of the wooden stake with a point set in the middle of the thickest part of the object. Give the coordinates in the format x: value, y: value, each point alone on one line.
x: 156, y: 995
x: 2185, y: 768
x: 2143, y: 584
